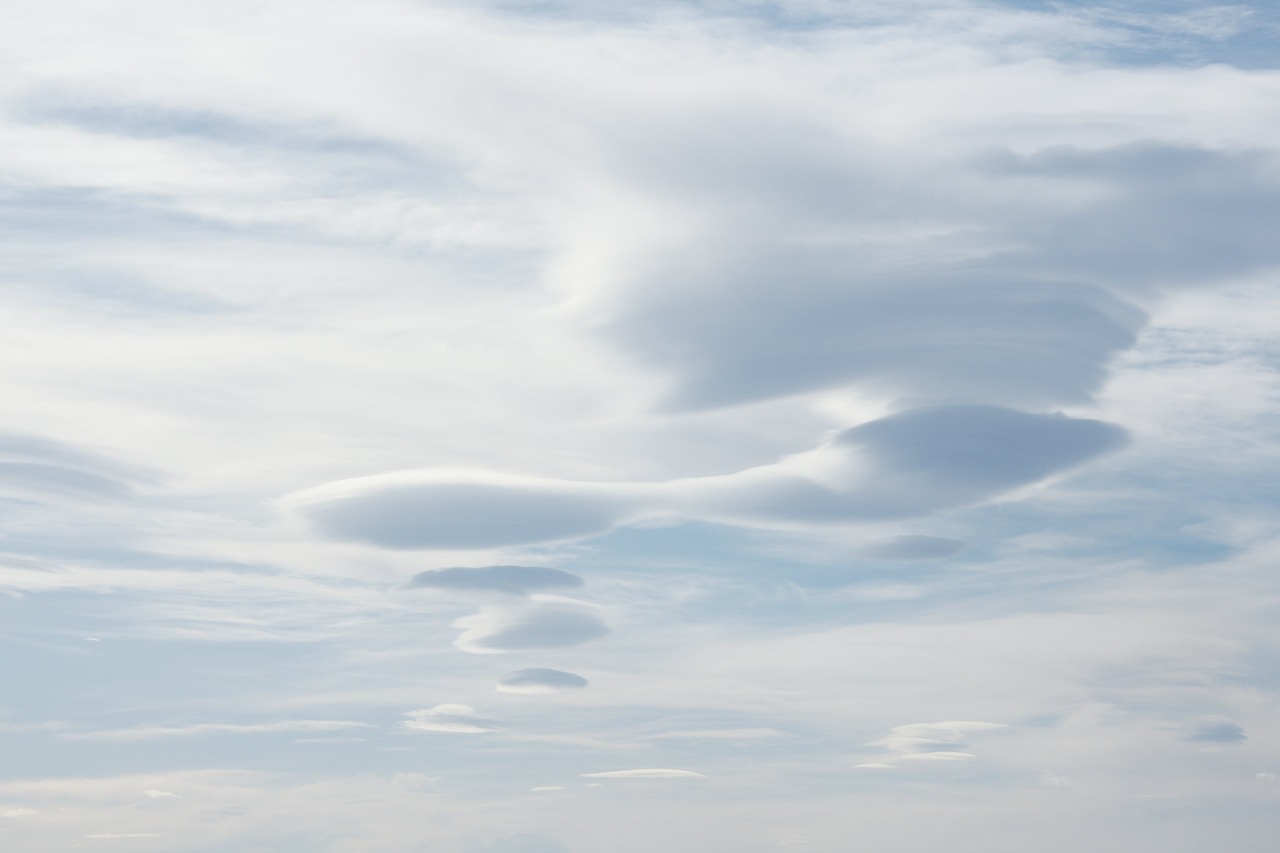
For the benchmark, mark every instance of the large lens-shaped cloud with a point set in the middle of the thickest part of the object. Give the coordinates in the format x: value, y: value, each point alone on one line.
x: 910, y: 464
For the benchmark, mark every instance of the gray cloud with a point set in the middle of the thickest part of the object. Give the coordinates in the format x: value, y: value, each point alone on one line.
x: 440, y: 510
x: 1214, y: 730
x: 930, y: 459
x: 539, y: 680
x: 31, y: 464
x: 515, y: 580
x: 1171, y: 214
x: 906, y: 465
x: 910, y: 464
x: 798, y: 321
x: 545, y: 623
x: 911, y: 547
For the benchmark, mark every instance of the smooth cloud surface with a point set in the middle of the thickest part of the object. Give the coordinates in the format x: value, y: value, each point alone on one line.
x: 516, y: 580
x: 537, y: 680
x: 906, y: 465
x: 792, y: 369
x: 547, y: 623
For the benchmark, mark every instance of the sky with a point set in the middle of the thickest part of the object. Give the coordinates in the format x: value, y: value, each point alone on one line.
x: 704, y: 426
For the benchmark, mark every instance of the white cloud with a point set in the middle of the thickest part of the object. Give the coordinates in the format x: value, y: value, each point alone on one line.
x: 200, y: 729
x: 757, y: 734
x: 547, y: 622
x: 909, y: 464
x: 822, y: 268
x: 644, y: 773
x: 441, y: 509
x: 450, y: 719
x: 933, y: 738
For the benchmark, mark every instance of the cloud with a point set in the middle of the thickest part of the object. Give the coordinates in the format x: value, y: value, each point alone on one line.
x: 644, y: 773
x: 515, y: 580
x: 758, y: 323
x: 199, y: 729
x: 1214, y: 730
x: 941, y: 755
x: 41, y: 466
x: 545, y: 623
x: 450, y: 719
x: 911, y: 547
x: 1172, y: 214
x: 746, y: 735
x: 437, y: 509
x: 905, y: 465
x: 933, y: 458
x: 943, y: 741
x: 538, y: 680
x: 157, y: 794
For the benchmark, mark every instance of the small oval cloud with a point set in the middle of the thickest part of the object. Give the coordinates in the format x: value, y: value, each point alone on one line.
x: 644, y: 773
x: 516, y: 580
x: 537, y: 680
x: 547, y: 624
x: 911, y: 547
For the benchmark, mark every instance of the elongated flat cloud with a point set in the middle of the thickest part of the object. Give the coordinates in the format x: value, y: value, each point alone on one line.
x: 40, y: 466
x: 937, y: 755
x: 644, y: 773
x: 536, y: 680
x: 516, y: 580
x: 432, y: 509
x: 911, y: 547
x: 201, y: 729
x: 1214, y: 730
x: 905, y: 465
x: 450, y: 719
x: 544, y: 623
x: 945, y: 741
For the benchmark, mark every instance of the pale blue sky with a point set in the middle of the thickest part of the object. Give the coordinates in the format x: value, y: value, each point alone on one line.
x: 707, y: 427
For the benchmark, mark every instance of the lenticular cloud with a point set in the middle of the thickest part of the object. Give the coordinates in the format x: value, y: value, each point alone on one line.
x: 513, y: 580
x: 538, y: 680
x: 906, y: 465
x: 545, y: 623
